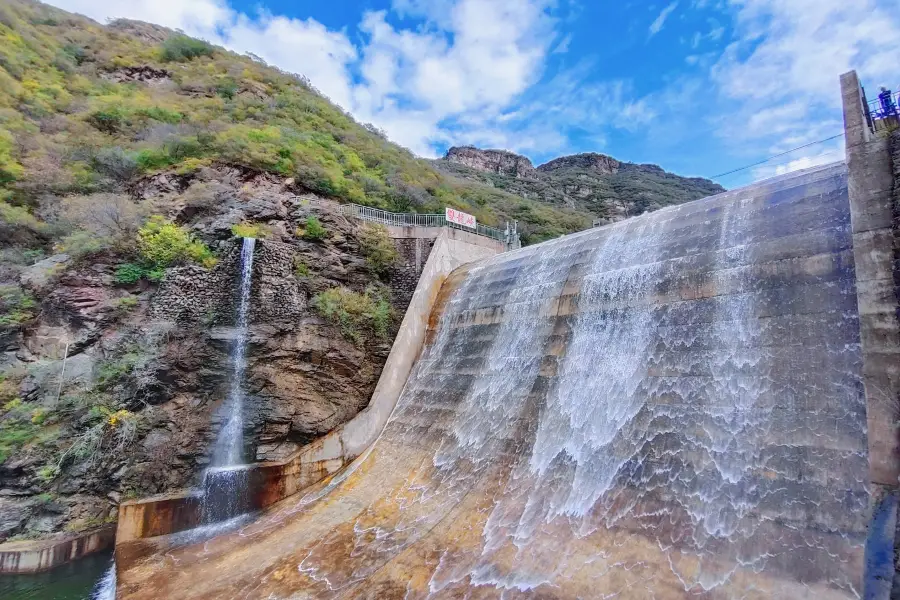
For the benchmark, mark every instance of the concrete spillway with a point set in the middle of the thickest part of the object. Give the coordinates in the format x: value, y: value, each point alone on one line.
x: 666, y: 407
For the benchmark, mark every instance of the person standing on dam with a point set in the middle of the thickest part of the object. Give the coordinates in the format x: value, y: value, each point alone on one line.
x: 885, y: 98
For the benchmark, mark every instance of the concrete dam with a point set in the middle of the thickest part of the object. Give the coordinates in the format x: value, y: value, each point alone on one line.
x: 676, y: 405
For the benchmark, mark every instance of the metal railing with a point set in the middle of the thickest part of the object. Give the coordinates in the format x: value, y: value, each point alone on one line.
x: 376, y: 215
x: 876, y: 110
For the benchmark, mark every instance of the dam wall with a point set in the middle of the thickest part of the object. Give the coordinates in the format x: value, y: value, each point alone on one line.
x: 697, y: 402
x: 667, y: 406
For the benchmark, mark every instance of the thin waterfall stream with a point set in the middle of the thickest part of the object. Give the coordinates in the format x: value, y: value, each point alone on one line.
x: 223, y: 493
x: 224, y: 485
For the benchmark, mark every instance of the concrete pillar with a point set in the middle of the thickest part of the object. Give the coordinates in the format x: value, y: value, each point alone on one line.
x: 872, y: 210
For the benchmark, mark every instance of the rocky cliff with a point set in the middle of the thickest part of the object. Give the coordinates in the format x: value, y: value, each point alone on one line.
x: 491, y: 161
x: 111, y: 390
x: 595, y: 183
x: 605, y: 165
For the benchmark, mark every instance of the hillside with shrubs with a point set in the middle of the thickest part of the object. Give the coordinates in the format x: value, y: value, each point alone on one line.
x: 86, y: 109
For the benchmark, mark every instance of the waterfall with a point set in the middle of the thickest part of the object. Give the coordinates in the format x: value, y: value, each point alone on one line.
x: 230, y: 444
x: 669, y: 405
x: 225, y: 485
x: 106, y: 587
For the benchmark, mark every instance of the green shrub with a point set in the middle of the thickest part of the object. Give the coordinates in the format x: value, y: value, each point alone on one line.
x: 10, y: 170
x: 48, y: 473
x: 39, y: 415
x: 170, y: 153
x: 81, y: 244
x: 312, y: 229
x: 129, y: 273
x: 180, y: 47
x: 33, y: 255
x: 227, y: 89
x: 76, y: 53
x: 110, y: 372
x: 16, y: 305
x: 301, y: 269
x: 128, y: 302
x: 157, y: 273
x: 162, y: 115
x: 163, y: 244
x: 14, y: 433
x: 16, y: 427
x: 249, y: 230
x: 377, y: 246
x: 356, y: 314
x: 110, y: 119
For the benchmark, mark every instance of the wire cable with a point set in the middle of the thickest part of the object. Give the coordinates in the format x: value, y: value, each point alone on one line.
x: 762, y: 162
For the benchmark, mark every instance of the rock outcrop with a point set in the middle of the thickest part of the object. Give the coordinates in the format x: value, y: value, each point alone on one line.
x: 491, y: 161
x: 142, y: 74
x: 593, y: 183
x: 605, y: 165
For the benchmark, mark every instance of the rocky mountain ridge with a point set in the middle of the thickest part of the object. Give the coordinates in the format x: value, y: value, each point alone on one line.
x: 592, y: 182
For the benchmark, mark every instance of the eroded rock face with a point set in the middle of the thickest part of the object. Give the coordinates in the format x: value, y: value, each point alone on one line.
x: 142, y: 74
x: 307, y: 382
x: 492, y: 161
x: 601, y: 163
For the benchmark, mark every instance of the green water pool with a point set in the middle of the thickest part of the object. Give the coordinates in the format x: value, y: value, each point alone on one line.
x: 73, y: 581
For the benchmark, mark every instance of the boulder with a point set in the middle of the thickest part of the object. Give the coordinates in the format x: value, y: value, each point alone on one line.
x: 39, y: 276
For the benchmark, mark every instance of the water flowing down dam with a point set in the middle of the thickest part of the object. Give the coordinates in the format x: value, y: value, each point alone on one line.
x: 667, y: 407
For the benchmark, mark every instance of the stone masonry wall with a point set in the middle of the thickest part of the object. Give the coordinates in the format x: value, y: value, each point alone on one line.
x: 192, y: 293
x: 276, y: 293
x: 414, y: 254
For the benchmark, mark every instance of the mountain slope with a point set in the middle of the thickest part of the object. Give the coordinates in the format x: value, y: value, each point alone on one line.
x: 595, y: 183
x: 86, y: 108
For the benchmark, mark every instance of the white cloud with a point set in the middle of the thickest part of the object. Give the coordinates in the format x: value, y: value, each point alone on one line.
x: 815, y: 159
x: 660, y: 21
x: 298, y: 46
x: 779, y: 77
x: 796, y: 50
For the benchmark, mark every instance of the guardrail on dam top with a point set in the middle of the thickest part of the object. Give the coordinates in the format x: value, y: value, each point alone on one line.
x: 376, y: 215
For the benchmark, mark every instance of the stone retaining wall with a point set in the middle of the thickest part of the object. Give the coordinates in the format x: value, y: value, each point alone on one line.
x: 405, y: 274
x: 192, y: 293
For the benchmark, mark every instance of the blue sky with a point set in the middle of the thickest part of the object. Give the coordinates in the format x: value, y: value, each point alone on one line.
x: 699, y: 87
